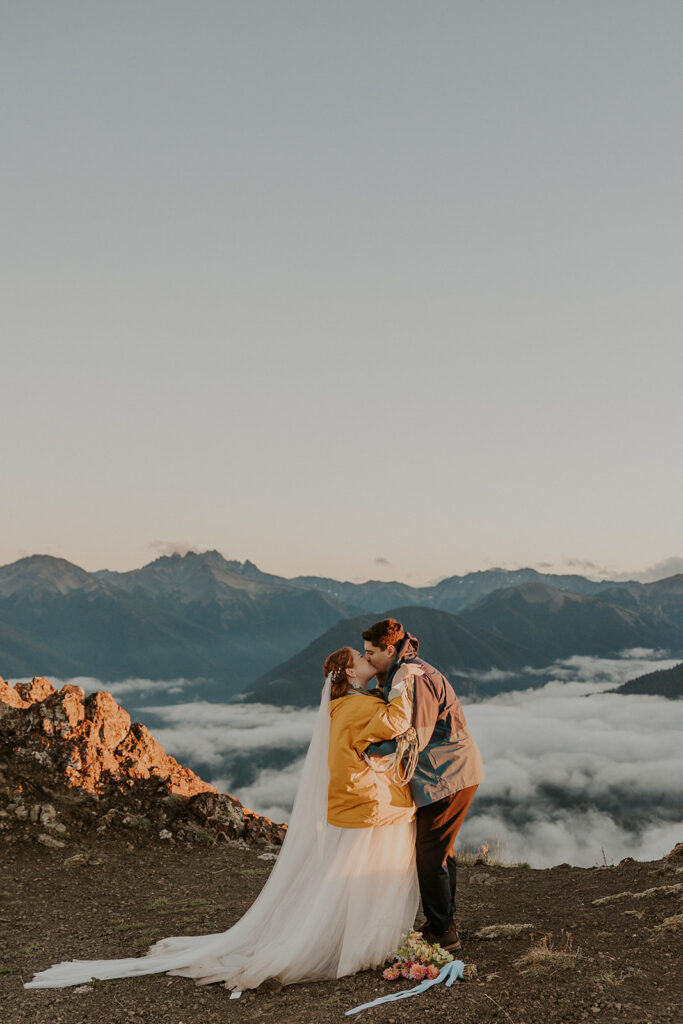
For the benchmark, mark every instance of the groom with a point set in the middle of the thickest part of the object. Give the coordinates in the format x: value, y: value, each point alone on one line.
x: 449, y: 769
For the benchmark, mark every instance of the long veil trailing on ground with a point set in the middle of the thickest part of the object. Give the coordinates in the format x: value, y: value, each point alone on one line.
x: 254, y: 948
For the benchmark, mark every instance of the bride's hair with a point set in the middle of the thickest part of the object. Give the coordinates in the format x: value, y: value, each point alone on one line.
x: 337, y: 664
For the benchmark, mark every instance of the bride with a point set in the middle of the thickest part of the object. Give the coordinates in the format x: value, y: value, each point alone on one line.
x: 343, y: 890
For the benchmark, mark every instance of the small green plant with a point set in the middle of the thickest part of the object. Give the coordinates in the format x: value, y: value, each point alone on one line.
x: 146, y: 938
x: 160, y: 905
x: 618, y: 978
x: 611, y: 978
x: 203, y: 906
x: 28, y: 950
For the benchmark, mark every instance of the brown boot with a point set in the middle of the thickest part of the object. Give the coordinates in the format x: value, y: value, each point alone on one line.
x: 448, y: 940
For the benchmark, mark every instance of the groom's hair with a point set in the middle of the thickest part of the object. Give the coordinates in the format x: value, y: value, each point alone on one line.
x: 387, y: 633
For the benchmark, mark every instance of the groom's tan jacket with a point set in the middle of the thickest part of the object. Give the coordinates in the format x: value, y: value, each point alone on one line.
x: 449, y: 759
x: 359, y: 797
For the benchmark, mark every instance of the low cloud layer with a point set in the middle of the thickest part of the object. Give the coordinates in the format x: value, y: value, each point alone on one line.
x: 582, y: 668
x: 573, y: 770
x: 136, y: 688
x: 574, y: 773
x: 215, y: 732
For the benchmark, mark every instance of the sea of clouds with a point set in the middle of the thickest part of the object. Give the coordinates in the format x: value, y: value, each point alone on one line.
x: 573, y: 773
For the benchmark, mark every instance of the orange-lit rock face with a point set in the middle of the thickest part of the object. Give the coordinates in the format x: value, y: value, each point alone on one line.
x: 38, y: 689
x: 22, y: 695
x: 10, y: 697
x: 90, y: 740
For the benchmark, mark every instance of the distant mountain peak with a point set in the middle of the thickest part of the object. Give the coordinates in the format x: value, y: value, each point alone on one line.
x: 39, y: 575
x: 212, y: 559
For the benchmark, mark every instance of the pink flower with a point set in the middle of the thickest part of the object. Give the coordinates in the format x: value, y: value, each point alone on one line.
x: 391, y: 973
x: 405, y: 972
x: 418, y: 972
x: 432, y: 971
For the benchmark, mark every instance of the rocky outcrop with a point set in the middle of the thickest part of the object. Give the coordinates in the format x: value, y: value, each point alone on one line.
x: 22, y: 695
x: 68, y: 755
x: 90, y: 740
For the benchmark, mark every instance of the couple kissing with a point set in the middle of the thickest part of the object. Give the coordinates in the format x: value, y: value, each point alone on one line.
x: 387, y: 780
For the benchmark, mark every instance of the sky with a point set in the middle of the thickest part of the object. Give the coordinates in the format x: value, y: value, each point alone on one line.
x: 572, y: 773
x: 356, y: 289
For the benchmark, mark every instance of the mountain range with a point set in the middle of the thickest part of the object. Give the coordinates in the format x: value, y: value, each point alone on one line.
x: 197, y: 616
x: 235, y: 629
x: 508, y: 630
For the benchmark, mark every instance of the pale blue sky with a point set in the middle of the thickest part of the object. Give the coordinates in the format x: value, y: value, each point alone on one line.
x: 321, y: 283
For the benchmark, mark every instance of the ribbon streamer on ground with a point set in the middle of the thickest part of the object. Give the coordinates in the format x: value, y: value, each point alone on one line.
x: 449, y: 973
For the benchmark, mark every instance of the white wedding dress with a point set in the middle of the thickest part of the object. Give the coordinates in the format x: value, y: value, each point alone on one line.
x: 337, y: 901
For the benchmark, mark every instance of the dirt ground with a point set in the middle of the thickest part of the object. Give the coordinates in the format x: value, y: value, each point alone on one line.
x: 623, y: 966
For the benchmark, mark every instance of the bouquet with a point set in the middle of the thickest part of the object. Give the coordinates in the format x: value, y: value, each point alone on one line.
x: 417, y: 959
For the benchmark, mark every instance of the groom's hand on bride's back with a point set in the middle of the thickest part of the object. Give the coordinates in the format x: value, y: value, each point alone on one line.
x: 381, y: 749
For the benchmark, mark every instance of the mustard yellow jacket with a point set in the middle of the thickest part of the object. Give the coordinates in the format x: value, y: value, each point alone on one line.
x: 358, y: 797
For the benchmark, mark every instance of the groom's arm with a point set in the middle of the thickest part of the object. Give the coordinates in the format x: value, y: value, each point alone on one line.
x: 381, y: 749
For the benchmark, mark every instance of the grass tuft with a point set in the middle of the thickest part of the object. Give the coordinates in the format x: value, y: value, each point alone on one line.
x: 491, y: 853
x: 618, y: 978
x: 203, y: 906
x: 502, y: 931
x: 160, y: 905
x: 671, y: 924
x: 545, y: 955
x: 647, y: 894
x: 146, y: 938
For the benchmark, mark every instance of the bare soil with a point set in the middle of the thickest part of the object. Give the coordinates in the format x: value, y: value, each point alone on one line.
x: 627, y: 967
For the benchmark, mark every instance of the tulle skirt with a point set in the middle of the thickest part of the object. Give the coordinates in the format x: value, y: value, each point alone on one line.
x: 342, y: 908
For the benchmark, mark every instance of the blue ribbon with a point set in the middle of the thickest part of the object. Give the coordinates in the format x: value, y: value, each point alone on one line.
x: 449, y: 973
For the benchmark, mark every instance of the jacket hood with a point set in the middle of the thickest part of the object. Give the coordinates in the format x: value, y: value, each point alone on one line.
x: 408, y: 647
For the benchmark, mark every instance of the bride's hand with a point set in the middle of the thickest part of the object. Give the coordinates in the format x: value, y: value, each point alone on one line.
x: 405, y: 672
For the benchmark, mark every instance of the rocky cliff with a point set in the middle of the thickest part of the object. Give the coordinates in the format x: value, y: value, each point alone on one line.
x: 69, y: 761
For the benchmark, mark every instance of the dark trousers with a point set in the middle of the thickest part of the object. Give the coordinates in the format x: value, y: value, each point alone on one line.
x: 437, y: 826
